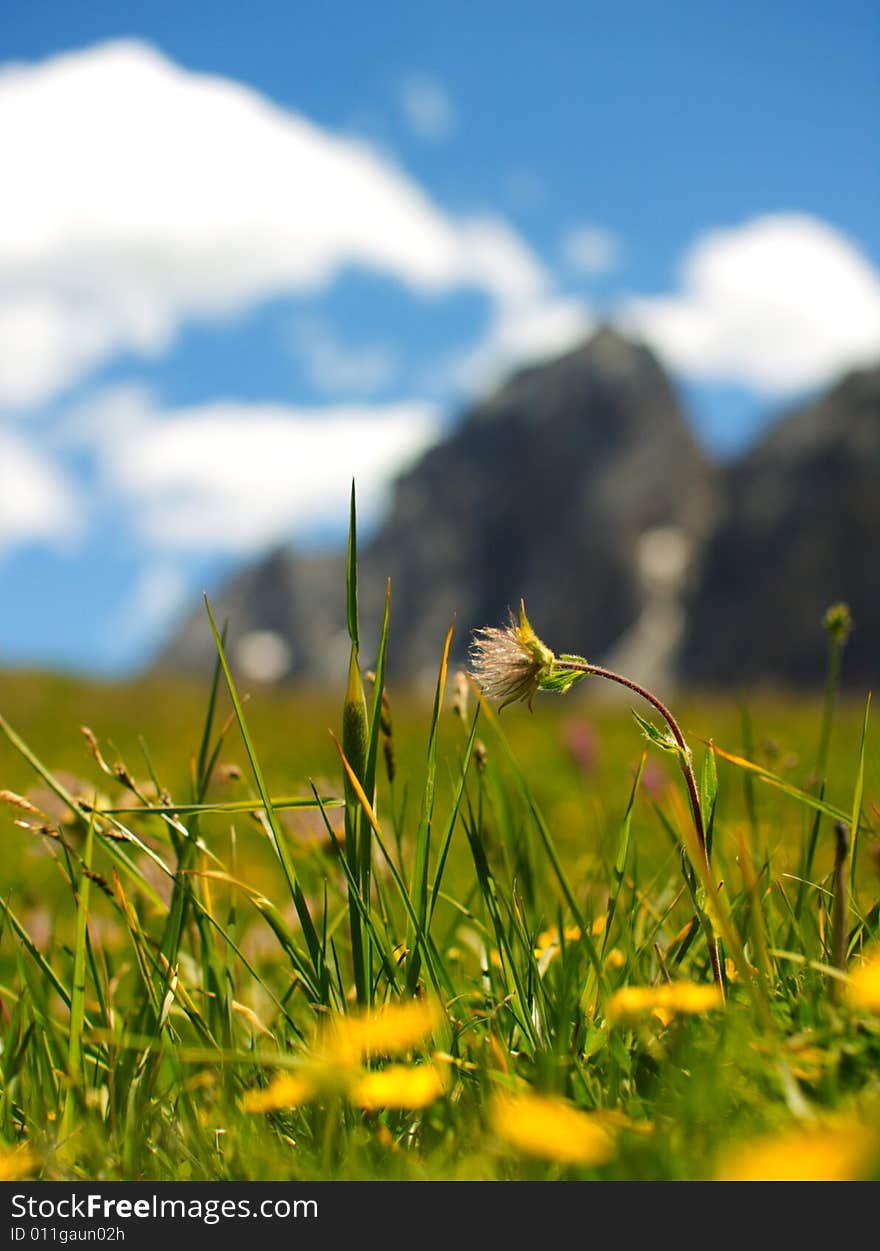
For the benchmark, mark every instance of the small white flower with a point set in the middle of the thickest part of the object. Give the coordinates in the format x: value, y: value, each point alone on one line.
x: 510, y: 663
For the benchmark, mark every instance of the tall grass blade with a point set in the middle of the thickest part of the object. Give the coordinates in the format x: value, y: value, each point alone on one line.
x: 302, y: 909
x: 439, y: 978
x: 446, y: 838
x: 419, y: 890
x: 623, y: 840
x: 351, y: 586
x: 78, y: 989
x: 855, y: 819
x: 787, y: 788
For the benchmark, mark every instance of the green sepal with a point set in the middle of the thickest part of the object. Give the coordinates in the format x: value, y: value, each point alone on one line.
x: 559, y: 680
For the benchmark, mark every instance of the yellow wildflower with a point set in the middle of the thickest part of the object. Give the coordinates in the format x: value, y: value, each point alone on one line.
x: 834, y: 1151
x: 548, y: 939
x: 664, y: 1001
x: 287, y: 1090
x: 551, y: 1129
x: 17, y: 1163
x: 863, y: 987
x: 398, y: 1086
x: 392, y: 1029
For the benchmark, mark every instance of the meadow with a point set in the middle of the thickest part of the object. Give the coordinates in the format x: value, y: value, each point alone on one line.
x: 364, y: 934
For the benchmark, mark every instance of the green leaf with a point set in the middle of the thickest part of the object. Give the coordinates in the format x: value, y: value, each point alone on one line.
x: 660, y: 738
x: 351, y: 583
x: 708, y: 792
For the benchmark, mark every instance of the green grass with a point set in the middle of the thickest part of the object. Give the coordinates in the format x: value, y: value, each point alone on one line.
x: 228, y: 875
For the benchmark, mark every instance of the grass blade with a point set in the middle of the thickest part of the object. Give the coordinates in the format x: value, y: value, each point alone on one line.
x: 308, y: 927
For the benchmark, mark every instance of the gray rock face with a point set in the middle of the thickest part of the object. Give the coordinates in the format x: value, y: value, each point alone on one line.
x: 801, y: 530
x: 294, y: 600
x: 544, y: 491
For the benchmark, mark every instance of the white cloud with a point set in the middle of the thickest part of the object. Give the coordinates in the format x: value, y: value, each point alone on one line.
x: 779, y: 304
x: 530, y: 319
x: 591, y: 249
x: 47, y: 344
x: 427, y: 107
x: 37, y: 503
x: 334, y: 368
x: 232, y: 477
x: 500, y: 262
x: 137, y: 195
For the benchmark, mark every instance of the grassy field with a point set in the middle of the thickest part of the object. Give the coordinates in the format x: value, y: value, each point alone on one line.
x: 237, y: 945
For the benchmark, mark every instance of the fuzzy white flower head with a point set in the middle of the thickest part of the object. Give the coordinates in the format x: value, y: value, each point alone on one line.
x: 510, y: 663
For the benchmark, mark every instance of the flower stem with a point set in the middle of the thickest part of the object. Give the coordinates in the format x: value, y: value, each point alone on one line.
x: 687, y: 770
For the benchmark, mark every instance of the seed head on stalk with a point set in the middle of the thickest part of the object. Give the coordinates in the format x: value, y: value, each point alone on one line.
x: 510, y: 663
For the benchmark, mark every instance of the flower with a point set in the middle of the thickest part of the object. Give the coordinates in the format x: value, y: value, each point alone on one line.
x: 398, y: 1086
x: 663, y: 1001
x: 863, y: 986
x: 287, y: 1090
x: 17, y: 1162
x: 552, y: 1129
x: 549, y: 942
x: 392, y: 1029
x: 838, y: 622
x: 831, y: 1151
x: 510, y: 663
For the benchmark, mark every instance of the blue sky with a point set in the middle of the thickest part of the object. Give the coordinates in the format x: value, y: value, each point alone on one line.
x: 248, y: 251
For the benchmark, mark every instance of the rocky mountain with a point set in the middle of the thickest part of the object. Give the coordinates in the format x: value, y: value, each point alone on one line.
x: 579, y: 487
x: 546, y: 490
x: 800, y: 530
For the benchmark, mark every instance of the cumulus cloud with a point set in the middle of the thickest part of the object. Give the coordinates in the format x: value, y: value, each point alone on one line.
x: 37, y: 503
x: 590, y: 249
x: 231, y: 478
x: 336, y: 368
x: 427, y: 107
x: 530, y: 319
x: 779, y: 304
x: 138, y: 194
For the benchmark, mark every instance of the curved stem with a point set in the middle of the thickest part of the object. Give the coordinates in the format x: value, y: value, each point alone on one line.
x: 687, y: 770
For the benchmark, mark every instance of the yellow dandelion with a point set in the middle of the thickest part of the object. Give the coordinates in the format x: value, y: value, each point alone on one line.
x: 615, y: 958
x: 664, y: 1002
x: 398, y: 1086
x: 287, y: 1090
x: 17, y: 1163
x: 839, y: 1151
x: 863, y: 986
x: 392, y: 1029
x: 630, y: 1002
x: 549, y: 940
x: 551, y: 1129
